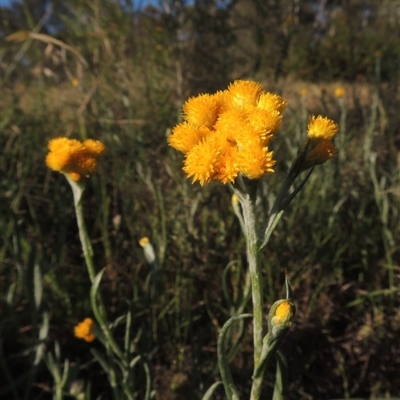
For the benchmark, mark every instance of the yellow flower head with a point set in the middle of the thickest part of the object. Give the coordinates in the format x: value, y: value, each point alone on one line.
x: 339, y: 92
x: 144, y: 241
x: 185, y: 136
x: 222, y: 98
x: 201, y: 110
x: 242, y: 93
x: 226, y: 167
x: 255, y: 161
x: 284, y: 312
x: 84, y: 330
x: 230, y: 123
x: 200, y: 161
x: 227, y: 133
x: 271, y: 102
x: 235, y: 200
x: 74, y: 158
x: 148, y: 249
x: 321, y: 128
x: 265, y: 122
x: 320, y: 148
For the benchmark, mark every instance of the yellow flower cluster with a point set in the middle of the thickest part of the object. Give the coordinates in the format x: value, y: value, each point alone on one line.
x: 84, y: 330
x: 74, y: 158
x: 227, y: 133
x: 321, y: 131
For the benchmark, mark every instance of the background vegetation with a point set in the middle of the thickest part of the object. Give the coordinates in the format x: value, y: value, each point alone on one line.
x: 119, y: 71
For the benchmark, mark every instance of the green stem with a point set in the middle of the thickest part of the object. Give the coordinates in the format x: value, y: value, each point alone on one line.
x: 77, y: 191
x: 246, y: 294
x: 100, y: 315
x: 248, y: 205
x: 97, y: 301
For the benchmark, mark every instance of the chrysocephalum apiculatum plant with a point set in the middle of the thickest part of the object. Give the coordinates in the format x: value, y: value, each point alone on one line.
x: 77, y: 161
x: 226, y: 136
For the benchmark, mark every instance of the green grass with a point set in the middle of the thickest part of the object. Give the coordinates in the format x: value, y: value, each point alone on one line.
x: 337, y: 240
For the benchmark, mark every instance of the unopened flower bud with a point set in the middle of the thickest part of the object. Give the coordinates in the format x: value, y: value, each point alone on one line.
x: 280, y: 318
x: 148, y: 250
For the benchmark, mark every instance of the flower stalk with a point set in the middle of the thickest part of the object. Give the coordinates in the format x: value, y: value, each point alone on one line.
x: 248, y: 205
x: 226, y: 136
x: 77, y: 191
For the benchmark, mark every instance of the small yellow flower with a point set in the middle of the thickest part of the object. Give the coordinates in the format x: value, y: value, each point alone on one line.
x: 222, y: 99
x: 320, y: 148
x: 242, y: 93
x: 94, y: 147
x: 201, y: 110
x: 339, y: 92
x: 255, y: 161
x: 84, y: 330
x: 230, y: 122
x: 185, y: 136
x: 266, y: 122
x: 74, y: 158
x: 280, y: 318
x: 235, y: 200
x: 303, y: 91
x: 283, y: 313
x: 271, y: 102
x: 148, y: 250
x: 74, y: 82
x: 144, y: 241
x: 226, y: 167
x: 321, y: 128
x: 200, y: 161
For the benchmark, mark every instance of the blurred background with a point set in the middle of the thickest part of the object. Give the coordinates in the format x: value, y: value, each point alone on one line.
x: 119, y: 71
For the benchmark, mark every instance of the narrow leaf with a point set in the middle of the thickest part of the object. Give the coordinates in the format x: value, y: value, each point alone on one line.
x: 211, y: 390
x: 37, y: 285
x: 230, y: 389
x: 280, y: 387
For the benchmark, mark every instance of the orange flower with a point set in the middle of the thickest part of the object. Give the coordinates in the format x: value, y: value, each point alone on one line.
x: 84, y: 330
x: 303, y: 92
x: 201, y: 110
x: 226, y: 167
x: 242, y: 93
x: 321, y: 128
x: 266, y: 122
x: 144, y: 241
x: 227, y: 133
x: 255, y: 161
x: 74, y: 158
x: 200, y: 161
x: 185, y: 136
x: 339, y: 92
x: 271, y: 102
x: 321, y: 131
